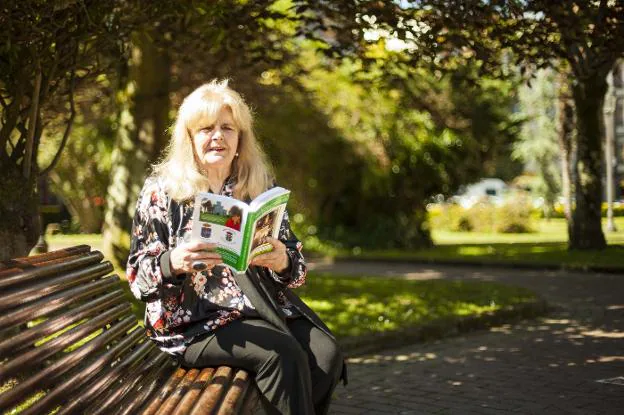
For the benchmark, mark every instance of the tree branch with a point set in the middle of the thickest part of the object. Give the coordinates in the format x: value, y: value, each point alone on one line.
x: 12, y: 113
x: 70, y: 122
x: 32, y: 124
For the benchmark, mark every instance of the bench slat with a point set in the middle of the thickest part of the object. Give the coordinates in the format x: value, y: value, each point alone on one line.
x: 33, y: 292
x: 30, y: 261
x: 141, y: 394
x: 57, y: 301
x: 171, y: 384
x: 107, y: 379
x: 211, y: 396
x: 232, y: 402
x: 50, y: 374
x: 60, y: 392
x: 57, y: 266
x: 189, y: 399
x: 147, y: 378
x: 178, y: 393
x: 27, y: 360
x: 13, y: 345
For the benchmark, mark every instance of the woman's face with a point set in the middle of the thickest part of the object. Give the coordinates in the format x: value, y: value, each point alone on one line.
x: 216, y: 144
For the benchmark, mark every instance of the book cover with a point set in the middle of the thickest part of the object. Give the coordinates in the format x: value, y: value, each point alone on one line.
x: 237, y: 228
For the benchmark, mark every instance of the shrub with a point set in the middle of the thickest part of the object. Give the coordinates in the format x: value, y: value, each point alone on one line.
x: 515, y: 216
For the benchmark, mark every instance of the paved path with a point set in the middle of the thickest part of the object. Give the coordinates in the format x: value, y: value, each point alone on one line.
x: 549, y: 366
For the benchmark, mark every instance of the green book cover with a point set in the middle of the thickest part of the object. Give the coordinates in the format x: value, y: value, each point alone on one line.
x: 237, y: 228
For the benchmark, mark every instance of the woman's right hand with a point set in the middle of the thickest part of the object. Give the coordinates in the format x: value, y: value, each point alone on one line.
x: 183, y: 256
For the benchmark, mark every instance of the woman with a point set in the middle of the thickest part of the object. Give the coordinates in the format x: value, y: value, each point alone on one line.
x: 212, y: 317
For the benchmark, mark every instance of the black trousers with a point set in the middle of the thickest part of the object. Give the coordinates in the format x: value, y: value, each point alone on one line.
x: 296, y: 373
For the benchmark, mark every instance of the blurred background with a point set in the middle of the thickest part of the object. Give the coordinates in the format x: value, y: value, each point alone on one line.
x: 420, y: 129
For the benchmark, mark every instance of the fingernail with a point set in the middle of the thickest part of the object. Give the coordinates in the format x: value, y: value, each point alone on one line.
x: 199, y: 266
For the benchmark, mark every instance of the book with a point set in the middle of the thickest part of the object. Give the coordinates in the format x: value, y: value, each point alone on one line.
x: 237, y: 228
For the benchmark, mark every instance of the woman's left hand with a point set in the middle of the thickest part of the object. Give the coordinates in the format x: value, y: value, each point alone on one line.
x: 277, y: 260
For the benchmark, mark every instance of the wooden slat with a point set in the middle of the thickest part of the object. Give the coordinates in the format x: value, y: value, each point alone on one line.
x: 146, y: 387
x: 24, y: 262
x: 180, y: 390
x: 32, y: 357
x: 195, y: 389
x: 52, y: 373
x: 58, y: 301
x: 65, y: 390
x: 13, y: 345
x: 105, y: 380
x: 57, y: 266
x: 23, y: 295
x: 233, y: 400
x: 151, y: 374
x: 210, y: 398
x: 164, y: 393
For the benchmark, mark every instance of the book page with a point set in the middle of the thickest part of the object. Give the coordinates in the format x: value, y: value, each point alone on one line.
x: 266, y: 225
x: 220, y: 220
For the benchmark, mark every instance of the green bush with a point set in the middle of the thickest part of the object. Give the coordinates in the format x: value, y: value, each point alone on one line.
x: 618, y: 210
x: 515, y: 216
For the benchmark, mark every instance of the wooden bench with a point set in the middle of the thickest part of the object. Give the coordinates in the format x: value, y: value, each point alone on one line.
x: 70, y: 343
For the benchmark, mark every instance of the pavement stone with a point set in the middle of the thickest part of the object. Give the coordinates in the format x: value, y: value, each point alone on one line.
x: 550, y: 365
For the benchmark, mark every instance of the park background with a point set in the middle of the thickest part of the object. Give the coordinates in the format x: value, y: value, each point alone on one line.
x: 375, y: 114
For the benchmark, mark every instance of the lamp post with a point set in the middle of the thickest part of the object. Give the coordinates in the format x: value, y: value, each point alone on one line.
x: 609, y: 113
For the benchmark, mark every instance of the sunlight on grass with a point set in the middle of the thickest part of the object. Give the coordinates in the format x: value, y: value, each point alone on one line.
x: 553, y: 230
x: 357, y: 306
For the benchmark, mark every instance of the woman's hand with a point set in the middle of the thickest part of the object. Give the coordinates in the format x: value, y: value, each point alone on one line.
x: 277, y: 260
x: 183, y: 257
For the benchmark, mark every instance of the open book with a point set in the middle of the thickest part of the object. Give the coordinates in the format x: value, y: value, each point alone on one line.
x: 239, y: 228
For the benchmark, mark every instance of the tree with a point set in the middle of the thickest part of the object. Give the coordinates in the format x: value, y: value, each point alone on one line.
x: 538, y: 143
x: 588, y: 35
x: 416, y: 134
x: 47, y: 50
x: 193, y: 43
x: 80, y: 177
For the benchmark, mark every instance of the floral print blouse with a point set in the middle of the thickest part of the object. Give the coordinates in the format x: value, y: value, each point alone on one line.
x: 180, y: 308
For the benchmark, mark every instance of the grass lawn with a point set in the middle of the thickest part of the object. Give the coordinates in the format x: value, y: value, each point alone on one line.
x: 361, y: 306
x: 548, y: 246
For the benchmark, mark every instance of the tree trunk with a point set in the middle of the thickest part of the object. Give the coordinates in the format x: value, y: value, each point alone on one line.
x: 588, y: 99
x: 143, y: 121
x: 19, y: 215
x: 566, y: 146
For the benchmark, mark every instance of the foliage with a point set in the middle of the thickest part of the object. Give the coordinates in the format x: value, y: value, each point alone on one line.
x: 538, y: 142
x: 405, y: 128
x: 586, y: 35
x: 515, y: 216
x: 81, y: 176
x: 47, y: 50
x: 59, y: 47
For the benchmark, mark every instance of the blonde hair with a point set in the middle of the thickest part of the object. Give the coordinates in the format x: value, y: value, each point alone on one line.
x: 182, y: 176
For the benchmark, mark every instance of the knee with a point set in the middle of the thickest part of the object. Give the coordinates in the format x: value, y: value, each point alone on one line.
x: 337, y: 361
x: 331, y: 359
x: 289, y: 355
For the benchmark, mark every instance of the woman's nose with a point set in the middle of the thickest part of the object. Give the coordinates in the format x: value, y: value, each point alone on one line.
x: 217, y: 134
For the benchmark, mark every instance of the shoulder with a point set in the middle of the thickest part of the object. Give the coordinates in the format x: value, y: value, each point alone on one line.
x: 153, y: 192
